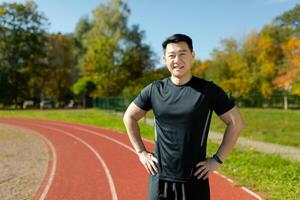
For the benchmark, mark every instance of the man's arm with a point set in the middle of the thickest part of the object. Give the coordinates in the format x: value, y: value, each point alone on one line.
x: 234, y: 125
x: 131, y: 117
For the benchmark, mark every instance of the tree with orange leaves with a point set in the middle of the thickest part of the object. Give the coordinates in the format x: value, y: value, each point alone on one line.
x: 289, y: 78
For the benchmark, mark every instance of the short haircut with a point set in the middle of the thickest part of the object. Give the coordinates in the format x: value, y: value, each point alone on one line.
x: 176, y: 38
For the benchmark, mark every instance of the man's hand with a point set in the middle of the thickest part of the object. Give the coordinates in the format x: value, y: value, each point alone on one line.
x: 206, y: 167
x: 149, y: 161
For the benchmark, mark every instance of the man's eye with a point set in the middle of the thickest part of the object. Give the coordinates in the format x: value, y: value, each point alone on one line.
x: 171, y: 56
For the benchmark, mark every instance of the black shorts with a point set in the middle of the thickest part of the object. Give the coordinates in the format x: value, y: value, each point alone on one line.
x: 169, y: 190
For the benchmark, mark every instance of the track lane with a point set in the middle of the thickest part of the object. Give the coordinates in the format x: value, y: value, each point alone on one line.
x: 47, y: 180
x: 79, y: 175
x: 112, y: 145
x: 220, y: 186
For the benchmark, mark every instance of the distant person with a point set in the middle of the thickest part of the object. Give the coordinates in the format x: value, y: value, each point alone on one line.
x: 182, y: 105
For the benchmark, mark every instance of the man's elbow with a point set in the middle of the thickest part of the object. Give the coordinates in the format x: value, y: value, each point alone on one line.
x: 240, y: 125
x: 125, y: 117
x: 128, y: 117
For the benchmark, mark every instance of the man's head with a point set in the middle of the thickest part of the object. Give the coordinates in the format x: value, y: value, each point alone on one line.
x: 179, y: 55
x: 176, y: 38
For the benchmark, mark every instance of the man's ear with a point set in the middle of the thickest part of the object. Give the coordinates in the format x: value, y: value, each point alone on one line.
x: 193, y: 56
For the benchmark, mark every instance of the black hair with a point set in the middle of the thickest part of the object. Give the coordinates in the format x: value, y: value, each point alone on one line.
x: 176, y: 38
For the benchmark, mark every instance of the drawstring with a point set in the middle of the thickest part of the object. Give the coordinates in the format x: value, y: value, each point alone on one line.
x: 183, y: 191
x: 164, y: 195
x: 175, y: 190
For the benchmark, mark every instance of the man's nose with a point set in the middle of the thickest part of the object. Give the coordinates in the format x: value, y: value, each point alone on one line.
x: 176, y: 59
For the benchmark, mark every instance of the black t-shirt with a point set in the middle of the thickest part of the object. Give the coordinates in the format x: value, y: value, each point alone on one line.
x: 182, y: 119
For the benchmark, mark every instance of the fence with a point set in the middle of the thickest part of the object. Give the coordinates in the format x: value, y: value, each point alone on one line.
x: 120, y: 103
x: 276, y: 101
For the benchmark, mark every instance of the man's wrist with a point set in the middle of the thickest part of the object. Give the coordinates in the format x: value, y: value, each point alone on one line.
x: 216, y: 158
x: 141, y: 151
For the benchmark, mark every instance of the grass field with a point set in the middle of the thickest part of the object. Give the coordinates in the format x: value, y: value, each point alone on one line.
x: 268, y: 125
x: 270, y: 175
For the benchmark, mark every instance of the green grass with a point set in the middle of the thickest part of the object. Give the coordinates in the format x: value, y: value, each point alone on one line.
x: 268, y: 125
x: 88, y: 116
x: 270, y: 175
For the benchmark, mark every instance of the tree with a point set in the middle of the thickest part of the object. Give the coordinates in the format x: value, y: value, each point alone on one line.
x: 199, y: 68
x: 57, y: 79
x: 22, y: 48
x: 114, y: 54
x: 263, y: 55
x: 102, y: 46
x: 136, y: 58
x: 83, y: 87
x: 229, y: 69
x: 134, y: 87
x: 290, y: 19
x: 289, y: 77
x: 83, y: 26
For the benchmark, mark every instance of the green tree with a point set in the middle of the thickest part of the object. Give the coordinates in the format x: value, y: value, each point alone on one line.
x: 57, y: 79
x: 83, y: 87
x: 102, y: 46
x: 136, y: 58
x: 22, y: 48
x: 134, y: 87
x: 290, y: 19
x: 83, y: 26
x: 228, y: 68
x: 115, y: 54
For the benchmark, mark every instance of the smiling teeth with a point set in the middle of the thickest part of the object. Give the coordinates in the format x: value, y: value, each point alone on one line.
x: 177, y: 67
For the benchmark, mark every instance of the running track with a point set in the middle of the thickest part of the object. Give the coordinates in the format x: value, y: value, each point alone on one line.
x: 91, y: 163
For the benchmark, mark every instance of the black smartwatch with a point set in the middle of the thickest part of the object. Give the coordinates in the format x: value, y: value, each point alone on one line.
x: 216, y: 158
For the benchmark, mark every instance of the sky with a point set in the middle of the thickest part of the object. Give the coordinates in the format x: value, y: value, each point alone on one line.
x: 207, y: 22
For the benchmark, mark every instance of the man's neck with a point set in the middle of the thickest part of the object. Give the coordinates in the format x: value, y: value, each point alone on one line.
x: 181, y: 80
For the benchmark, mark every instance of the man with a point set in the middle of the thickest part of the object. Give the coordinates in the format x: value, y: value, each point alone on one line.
x: 182, y: 105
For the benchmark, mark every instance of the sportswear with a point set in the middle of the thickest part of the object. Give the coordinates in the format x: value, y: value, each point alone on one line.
x: 182, y: 119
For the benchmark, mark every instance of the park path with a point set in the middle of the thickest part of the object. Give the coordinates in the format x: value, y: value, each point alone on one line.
x: 89, y: 162
x: 286, y: 152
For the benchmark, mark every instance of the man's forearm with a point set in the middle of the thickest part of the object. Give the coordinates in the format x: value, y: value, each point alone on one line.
x: 230, y: 137
x: 133, y: 132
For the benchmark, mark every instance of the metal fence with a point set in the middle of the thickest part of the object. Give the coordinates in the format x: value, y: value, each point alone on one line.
x: 120, y: 103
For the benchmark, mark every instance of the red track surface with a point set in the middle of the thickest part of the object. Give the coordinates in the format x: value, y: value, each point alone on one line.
x: 91, y: 163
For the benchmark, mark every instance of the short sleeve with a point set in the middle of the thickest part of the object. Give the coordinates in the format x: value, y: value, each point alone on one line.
x: 143, y: 100
x: 220, y: 102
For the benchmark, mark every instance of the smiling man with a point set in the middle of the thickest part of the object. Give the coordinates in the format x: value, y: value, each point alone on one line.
x: 182, y: 105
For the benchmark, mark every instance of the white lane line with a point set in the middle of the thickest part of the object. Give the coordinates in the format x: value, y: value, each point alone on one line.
x: 243, y: 188
x: 107, y: 172
x: 228, y: 179
x: 131, y: 149
x: 98, y: 134
x: 252, y: 193
x: 53, y: 169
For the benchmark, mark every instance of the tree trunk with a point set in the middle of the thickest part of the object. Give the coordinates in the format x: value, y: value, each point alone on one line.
x: 285, y: 101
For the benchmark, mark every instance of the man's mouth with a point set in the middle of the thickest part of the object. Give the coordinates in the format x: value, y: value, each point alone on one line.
x: 177, y: 67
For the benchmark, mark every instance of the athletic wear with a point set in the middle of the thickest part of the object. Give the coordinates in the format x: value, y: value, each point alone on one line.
x: 182, y: 119
x: 168, y: 190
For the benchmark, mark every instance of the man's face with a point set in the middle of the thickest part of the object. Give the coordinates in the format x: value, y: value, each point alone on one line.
x: 179, y: 59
